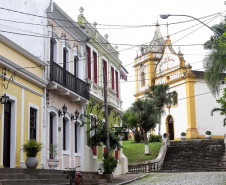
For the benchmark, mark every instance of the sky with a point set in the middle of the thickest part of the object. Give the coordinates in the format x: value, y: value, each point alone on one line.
x: 135, y: 22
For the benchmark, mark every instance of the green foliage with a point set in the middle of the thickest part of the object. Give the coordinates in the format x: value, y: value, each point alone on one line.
x: 109, y: 164
x: 215, y: 62
x: 135, y: 151
x: 32, y: 147
x: 222, y: 109
x: 148, y: 116
x: 100, y: 136
x: 53, y: 151
x: 155, y: 138
x: 208, y: 133
x: 137, y: 137
x: 183, y: 134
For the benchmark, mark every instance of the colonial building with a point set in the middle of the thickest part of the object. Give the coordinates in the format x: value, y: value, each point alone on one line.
x: 21, y: 117
x: 67, y: 92
x: 102, y: 57
x: 158, y: 63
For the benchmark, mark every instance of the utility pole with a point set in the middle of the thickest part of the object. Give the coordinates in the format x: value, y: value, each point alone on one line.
x: 106, y: 114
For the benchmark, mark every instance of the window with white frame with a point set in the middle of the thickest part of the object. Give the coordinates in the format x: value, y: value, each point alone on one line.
x: 93, y: 122
x: 33, y: 123
x: 65, y: 134
x: 53, y: 50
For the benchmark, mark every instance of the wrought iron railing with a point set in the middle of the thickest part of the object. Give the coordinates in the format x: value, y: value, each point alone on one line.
x: 151, y: 165
x: 68, y: 80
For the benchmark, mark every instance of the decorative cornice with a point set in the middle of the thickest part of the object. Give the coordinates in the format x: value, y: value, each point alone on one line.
x: 20, y: 71
x: 21, y: 50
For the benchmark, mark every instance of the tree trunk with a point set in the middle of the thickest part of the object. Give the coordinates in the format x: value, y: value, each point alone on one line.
x: 147, y: 152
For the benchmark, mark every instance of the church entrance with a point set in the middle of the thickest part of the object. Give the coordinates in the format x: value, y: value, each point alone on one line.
x: 170, y: 127
x: 7, y: 135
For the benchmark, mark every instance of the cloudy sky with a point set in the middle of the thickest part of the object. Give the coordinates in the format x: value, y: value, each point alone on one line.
x: 129, y: 23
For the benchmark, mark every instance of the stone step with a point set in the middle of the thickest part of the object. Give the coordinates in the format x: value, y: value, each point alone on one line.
x: 33, y: 181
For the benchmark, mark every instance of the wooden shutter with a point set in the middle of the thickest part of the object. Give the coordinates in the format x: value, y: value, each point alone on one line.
x: 95, y: 67
x: 112, y: 78
x: 116, y: 76
x: 89, y: 61
x: 94, y: 150
x: 105, y: 66
x: 116, y: 153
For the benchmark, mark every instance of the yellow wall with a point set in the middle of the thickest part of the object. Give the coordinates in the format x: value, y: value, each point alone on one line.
x: 16, y: 91
x: 19, y: 59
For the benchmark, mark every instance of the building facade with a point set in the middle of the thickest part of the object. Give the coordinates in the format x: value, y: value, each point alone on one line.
x: 102, y: 59
x: 190, y: 111
x: 22, y: 80
x: 66, y: 88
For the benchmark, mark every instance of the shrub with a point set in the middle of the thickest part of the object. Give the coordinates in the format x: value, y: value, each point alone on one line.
x: 155, y: 138
x: 137, y: 137
x: 109, y: 164
x: 208, y: 133
x: 183, y: 134
x: 32, y: 147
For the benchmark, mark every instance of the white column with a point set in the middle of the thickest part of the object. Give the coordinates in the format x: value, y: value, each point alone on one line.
x: 22, y: 164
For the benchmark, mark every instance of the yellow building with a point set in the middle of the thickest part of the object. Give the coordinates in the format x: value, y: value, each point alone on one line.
x: 21, y: 117
x: 158, y: 63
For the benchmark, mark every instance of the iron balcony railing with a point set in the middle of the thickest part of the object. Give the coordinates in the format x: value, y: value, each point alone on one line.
x: 68, y: 80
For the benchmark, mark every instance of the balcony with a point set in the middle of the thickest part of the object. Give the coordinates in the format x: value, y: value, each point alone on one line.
x: 62, y: 77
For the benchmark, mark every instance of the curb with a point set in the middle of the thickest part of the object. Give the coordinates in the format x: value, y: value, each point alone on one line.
x: 129, y: 181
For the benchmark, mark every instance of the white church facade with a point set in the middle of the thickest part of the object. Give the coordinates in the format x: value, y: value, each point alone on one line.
x: 158, y: 63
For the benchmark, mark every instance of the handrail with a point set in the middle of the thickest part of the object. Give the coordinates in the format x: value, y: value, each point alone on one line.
x: 68, y: 80
x: 151, y: 165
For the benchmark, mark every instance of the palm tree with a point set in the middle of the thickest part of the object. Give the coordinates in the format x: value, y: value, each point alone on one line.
x: 215, y: 62
x: 148, y: 117
x: 159, y: 93
x: 222, y: 109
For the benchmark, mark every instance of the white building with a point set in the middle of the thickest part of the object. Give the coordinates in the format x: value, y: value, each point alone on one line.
x: 158, y: 63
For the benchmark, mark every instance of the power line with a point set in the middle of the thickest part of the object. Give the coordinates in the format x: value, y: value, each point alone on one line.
x: 100, y: 24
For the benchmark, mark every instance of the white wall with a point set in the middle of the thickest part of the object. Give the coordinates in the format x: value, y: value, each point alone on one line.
x: 179, y: 113
x: 204, y: 103
x: 34, y: 45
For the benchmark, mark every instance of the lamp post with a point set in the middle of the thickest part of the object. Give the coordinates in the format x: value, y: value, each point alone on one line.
x: 165, y: 16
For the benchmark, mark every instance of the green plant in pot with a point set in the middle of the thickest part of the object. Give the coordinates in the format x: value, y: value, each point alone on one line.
x: 31, y: 148
x: 183, y: 135
x: 109, y: 165
x: 208, y: 134
x: 53, y: 162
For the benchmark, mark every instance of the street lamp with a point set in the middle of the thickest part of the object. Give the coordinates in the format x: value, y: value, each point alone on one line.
x: 75, y: 117
x: 165, y: 16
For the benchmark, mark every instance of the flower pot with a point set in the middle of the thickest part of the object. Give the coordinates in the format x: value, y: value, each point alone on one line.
x: 31, y: 162
x: 183, y: 137
x: 109, y: 177
x: 53, y: 163
x: 208, y: 136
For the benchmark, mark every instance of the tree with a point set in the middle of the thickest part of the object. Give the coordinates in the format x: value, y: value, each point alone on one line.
x: 131, y: 121
x: 222, y: 109
x: 159, y: 93
x: 215, y: 62
x: 148, y: 117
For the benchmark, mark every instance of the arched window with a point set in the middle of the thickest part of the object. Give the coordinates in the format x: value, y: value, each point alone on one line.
x: 142, y: 79
x: 175, y: 98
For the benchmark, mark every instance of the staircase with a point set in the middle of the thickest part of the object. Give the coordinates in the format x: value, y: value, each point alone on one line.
x: 18, y: 176
x: 197, y: 155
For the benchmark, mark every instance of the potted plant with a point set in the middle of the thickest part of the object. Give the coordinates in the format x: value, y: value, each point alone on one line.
x: 31, y: 148
x: 52, y: 161
x: 208, y: 135
x: 109, y: 165
x: 183, y: 135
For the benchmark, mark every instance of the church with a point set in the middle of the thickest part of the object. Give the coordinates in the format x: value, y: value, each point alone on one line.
x: 158, y: 63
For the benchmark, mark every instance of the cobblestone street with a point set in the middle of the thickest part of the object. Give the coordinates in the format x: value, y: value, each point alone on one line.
x: 195, y: 178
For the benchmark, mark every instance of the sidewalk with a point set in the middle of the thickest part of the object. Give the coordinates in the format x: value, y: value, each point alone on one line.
x: 126, y: 178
